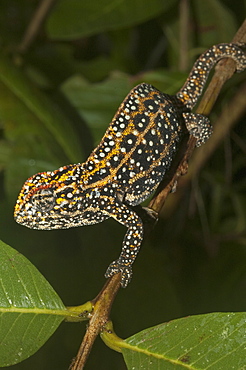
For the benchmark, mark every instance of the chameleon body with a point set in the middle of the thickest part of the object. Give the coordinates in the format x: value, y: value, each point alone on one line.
x: 128, y: 164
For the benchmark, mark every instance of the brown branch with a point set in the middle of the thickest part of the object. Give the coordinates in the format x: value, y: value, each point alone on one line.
x: 103, y: 302
x: 227, y: 119
x: 236, y: 108
x: 102, y: 307
x: 224, y: 70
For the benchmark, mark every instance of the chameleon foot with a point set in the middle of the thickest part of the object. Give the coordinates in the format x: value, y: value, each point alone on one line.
x: 126, y: 272
x: 198, y: 126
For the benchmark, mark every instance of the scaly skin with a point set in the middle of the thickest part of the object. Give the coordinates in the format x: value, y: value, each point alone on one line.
x: 128, y: 164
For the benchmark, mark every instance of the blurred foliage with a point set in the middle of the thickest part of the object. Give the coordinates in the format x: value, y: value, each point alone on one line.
x: 56, y: 100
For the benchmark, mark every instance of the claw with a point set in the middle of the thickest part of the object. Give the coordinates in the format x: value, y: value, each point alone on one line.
x: 126, y: 272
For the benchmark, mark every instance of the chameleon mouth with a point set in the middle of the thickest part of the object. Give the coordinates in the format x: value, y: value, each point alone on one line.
x: 49, y: 221
x: 35, y: 219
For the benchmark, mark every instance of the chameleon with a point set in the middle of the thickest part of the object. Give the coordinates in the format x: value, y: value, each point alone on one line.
x: 128, y: 164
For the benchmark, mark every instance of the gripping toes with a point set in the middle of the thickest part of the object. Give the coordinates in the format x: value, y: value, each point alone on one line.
x: 116, y: 267
x: 198, y: 126
x: 240, y: 57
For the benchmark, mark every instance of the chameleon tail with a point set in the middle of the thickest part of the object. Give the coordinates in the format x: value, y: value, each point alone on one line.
x: 194, y: 84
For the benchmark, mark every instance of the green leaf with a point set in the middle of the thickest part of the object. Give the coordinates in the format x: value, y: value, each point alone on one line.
x: 216, y: 21
x: 27, y: 112
x: 30, y: 310
x: 75, y: 18
x: 98, y: 102
x: 40, y: 137
x: 214, y: 341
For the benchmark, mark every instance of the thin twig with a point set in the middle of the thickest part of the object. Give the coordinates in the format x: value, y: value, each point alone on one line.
x: 225, y: 122
x: 224, y: 70
x: 102, y: 307
x: 229, y: 116
x: 35, y: 24
x: 184, y: 34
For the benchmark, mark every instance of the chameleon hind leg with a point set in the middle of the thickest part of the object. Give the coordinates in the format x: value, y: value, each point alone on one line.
x: 131, y: 243
x: 198, y: 126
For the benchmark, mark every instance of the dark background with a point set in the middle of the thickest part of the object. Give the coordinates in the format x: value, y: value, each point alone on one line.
x: 194, y: 260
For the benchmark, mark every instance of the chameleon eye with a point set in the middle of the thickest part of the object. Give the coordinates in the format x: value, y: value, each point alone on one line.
x: 43, y: 200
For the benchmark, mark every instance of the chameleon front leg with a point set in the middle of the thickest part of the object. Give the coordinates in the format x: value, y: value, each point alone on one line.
x: 131, y: 243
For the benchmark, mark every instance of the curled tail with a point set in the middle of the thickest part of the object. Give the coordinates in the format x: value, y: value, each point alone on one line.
x: 194, y: 84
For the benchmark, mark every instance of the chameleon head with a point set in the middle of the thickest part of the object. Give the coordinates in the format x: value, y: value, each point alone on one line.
x: 49, y: 200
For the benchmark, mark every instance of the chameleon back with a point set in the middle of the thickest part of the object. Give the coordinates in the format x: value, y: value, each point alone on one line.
x: 138, y: 146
